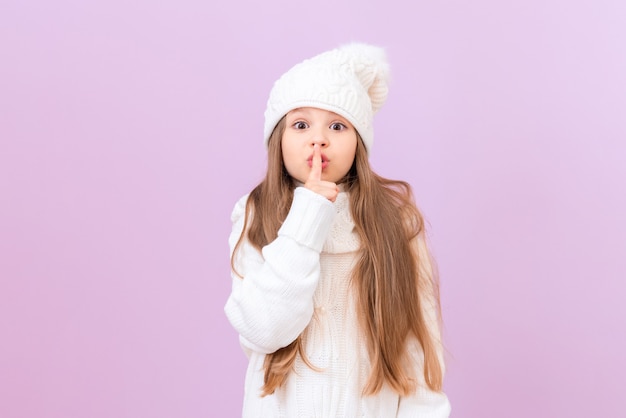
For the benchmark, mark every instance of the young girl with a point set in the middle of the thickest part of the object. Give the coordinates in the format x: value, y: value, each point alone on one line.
x: 334, y: 296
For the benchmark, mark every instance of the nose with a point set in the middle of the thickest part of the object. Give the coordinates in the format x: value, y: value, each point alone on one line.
x: 319, y: 137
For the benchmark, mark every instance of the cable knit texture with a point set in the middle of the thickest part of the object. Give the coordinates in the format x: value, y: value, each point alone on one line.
x: 301, y: 284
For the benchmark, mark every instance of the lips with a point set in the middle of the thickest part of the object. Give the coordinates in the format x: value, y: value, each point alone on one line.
x: 325, y: 161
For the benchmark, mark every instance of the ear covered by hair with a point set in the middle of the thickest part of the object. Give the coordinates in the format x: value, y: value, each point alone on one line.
x: 351, y: 80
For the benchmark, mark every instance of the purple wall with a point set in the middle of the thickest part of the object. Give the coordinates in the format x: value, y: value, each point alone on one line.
x: 129, y: 128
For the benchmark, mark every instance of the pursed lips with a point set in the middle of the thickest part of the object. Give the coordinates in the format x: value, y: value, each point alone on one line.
x: 325, y: 161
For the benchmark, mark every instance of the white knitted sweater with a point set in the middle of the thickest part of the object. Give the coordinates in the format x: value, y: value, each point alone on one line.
x: 299, y: 283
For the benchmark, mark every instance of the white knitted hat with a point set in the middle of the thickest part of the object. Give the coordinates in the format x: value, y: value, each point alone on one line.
x: 350, y: 81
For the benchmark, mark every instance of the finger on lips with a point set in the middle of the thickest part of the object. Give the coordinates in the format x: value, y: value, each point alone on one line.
x: 316, y: 163
x: 315, y: 183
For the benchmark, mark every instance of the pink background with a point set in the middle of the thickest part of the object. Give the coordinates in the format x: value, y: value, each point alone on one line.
x: 128, y: 129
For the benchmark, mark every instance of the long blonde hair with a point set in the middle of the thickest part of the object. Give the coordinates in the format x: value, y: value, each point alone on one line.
x: 387, y: 279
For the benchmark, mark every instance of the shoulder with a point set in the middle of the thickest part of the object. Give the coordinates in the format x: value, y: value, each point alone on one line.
x: 237, y: 218
x: 239, y: 209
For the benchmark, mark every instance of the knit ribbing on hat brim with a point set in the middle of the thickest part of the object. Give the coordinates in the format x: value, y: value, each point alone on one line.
x: 366, y: 132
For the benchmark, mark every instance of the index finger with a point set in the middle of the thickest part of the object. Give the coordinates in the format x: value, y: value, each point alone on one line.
x: 316, y: 164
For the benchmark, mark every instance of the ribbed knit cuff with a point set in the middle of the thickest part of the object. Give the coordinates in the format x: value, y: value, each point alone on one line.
x: 309, y: 219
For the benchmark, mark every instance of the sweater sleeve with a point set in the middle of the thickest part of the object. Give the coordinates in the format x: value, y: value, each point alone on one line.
x: 426, y: 402
x: 272, y: 302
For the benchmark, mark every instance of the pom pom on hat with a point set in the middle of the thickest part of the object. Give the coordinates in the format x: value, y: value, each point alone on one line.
x: 350, y: 81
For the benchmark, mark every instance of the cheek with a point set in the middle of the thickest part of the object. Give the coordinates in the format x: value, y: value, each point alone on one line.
x: 284, y: 149
x: 352, y: 151
x: 289, y: 155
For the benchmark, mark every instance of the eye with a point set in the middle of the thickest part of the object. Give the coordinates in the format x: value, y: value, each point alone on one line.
x: 337, y: 126
x: 300, y: 125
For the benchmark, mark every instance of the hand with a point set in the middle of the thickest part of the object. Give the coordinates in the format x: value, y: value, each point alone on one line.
x: 328, y: 189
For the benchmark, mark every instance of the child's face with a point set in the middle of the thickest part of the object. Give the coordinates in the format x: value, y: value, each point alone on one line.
x: 336, y: 137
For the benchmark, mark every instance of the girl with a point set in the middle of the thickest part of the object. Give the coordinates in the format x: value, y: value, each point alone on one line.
x: 334, y: 296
